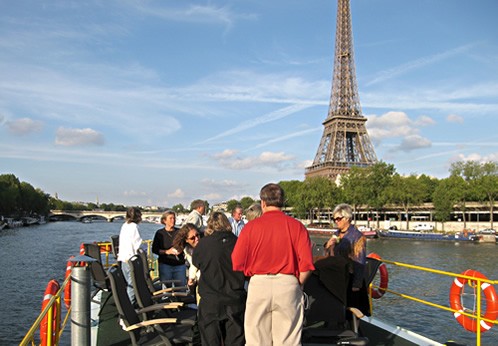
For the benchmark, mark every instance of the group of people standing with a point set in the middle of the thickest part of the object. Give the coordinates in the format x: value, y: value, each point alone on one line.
x: 249, y: 276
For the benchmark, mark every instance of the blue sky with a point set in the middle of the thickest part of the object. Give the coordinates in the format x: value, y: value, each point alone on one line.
x: 163, y: 102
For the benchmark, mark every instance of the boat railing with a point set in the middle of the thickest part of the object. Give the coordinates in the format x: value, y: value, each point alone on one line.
x: 474, y: 280
x: 53, y: 310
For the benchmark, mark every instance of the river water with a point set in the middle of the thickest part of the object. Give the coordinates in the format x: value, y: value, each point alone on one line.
x: 31, y: 256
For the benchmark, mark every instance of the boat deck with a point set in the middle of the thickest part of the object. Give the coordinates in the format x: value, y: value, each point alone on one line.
x: 106, y: 330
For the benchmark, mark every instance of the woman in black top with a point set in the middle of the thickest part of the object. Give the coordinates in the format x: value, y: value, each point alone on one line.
x: 171, y: 260
x: 223, y: 297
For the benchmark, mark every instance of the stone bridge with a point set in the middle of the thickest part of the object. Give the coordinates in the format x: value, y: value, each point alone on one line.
x: 91, y: 215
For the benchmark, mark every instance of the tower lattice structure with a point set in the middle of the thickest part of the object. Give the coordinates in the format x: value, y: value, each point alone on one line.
x: 345, y: 141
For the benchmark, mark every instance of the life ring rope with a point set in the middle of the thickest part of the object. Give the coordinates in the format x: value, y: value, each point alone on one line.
x: 490, y: 296
x: 384, y: 278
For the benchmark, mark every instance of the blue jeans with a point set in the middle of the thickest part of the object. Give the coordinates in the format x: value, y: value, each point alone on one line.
x: 167, y: 272
x: 127, y: 275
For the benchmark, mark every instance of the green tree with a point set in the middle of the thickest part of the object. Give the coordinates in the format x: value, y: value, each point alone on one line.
x: 406, y: 191
x: 446, y: 194
x: 179, y: 209
x: 429, y: 185
x: 353, y: 185
x: 489, y: 185
x: 485, y: 177
x: 378, y: 178
x: 246, y: 202
x: 10, y: 195
x: 316, y: 194
x: 470, y: 172
x: 292, y: 190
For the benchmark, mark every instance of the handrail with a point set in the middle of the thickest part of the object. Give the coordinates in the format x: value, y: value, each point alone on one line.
x: 105, y: 247
x: 29, y: 338
x: 479, y: 281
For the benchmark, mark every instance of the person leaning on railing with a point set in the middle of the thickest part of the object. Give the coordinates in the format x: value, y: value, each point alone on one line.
x: 350, y: 243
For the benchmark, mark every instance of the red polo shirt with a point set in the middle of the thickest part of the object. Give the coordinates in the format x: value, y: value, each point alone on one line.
x: 273, y: 244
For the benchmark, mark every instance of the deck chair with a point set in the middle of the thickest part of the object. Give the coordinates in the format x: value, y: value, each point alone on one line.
x: 152, y: 305
x: 326, y: 311
x: 155, y: 285
x: 99, y: 276
x: 164, y: 331
x: 115, y: 245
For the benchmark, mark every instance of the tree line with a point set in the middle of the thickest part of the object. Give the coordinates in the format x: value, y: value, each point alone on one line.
x: 373, y: 188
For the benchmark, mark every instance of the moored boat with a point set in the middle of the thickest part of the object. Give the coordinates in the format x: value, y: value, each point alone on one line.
x: 368, y: 232
x: 416, y: 235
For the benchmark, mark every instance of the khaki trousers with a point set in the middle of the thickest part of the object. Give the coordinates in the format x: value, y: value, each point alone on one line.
x: 274, y: 311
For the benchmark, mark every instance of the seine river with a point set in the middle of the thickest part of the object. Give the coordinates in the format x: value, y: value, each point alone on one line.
x: 31, y: 256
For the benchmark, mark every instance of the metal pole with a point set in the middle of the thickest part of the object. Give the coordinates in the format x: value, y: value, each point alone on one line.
x: 80, y: 306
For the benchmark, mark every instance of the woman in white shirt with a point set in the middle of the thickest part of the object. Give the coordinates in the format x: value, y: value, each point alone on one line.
x: 129, y: 243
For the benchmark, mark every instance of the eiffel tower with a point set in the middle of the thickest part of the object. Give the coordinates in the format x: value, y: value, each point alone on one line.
x: 345, y: 141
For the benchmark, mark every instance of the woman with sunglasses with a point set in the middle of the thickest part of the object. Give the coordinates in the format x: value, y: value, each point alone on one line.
x: 186, y: 240
x: 350, y: 243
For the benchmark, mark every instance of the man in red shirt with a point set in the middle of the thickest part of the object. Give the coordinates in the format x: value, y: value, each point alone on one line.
x: 275, y: 252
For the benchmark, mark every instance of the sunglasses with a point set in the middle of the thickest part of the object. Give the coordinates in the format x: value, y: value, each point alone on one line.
x: 193, y: 237
x: 338, y: 218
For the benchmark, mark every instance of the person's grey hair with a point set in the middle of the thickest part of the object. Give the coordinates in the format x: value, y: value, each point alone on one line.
x: 197, y: 204
x: 343, y: 210
x: 165, y: 215
x: 253, y: 211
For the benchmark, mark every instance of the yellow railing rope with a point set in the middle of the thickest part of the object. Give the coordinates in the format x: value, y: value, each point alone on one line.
x: 477, y: 316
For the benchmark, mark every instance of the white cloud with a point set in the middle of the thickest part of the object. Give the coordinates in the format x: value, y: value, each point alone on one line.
x: 424, y: 120
x: 78, y: 137
x: 304, y: 164
x: 476, y: 157
x: 219, y: 184
x: 133, y: 193
x: 414, y: 142
x: 212, y: 196
x: 270, y: 117
x: 389, y: 125
x: 178, y: 193
x: 416, y: 64
x: 24, y: 126
x: 225, y: 154
x: 453, y: 118
x: 265, y: 159
x: 270, y: 157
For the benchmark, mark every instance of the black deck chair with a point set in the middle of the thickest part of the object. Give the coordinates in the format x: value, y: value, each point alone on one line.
x: 326, y: 311
x: 156, y: 286
x: 115, y: 245
x: 163, y: 331
x: 99, y: 275
x: 93, y: 250
x: 154, y: 306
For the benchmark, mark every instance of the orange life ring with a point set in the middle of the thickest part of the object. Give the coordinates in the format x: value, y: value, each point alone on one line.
x: 489, y: 294
x: 50, y: 291
x: 384, y: 278
x: 67, y: 289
